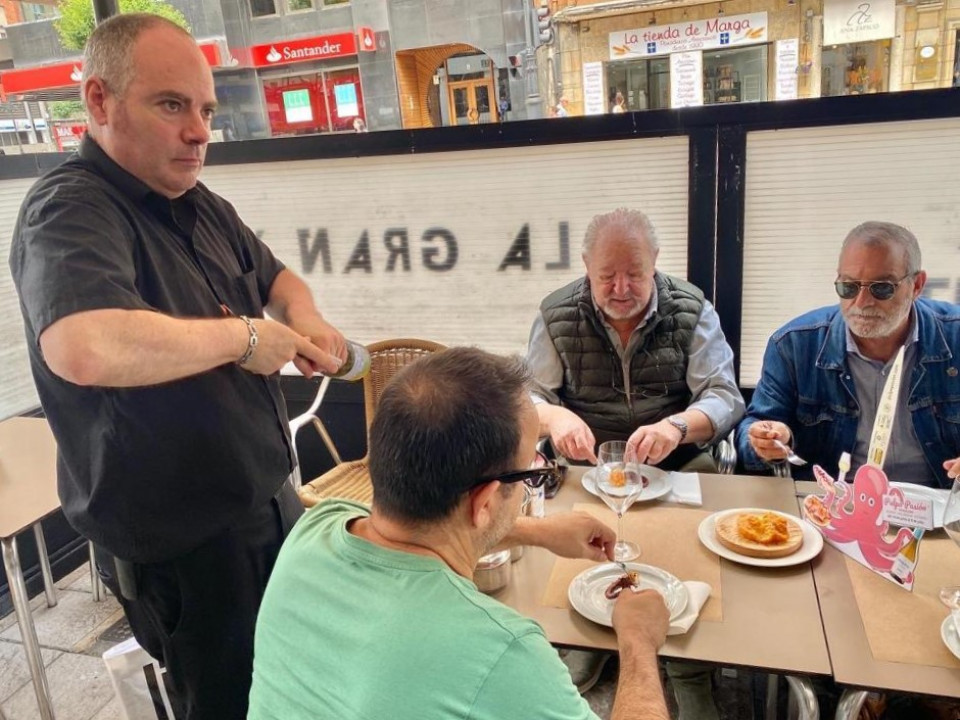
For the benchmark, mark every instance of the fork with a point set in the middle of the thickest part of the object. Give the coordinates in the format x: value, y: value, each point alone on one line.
x: 792, y: 457
x: 623, y: 568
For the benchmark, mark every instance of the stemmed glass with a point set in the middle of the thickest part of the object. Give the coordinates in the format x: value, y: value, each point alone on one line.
x: 950, y: 595
x: 619, y: 483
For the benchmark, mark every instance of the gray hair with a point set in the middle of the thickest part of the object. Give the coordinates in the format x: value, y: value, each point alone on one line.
x: 632, y: 223
x: 108, y: 54
x: 887, y: 234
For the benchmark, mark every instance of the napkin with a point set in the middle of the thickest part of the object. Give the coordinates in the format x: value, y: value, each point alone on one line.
x: 699, y: 594
x: 685, y: 488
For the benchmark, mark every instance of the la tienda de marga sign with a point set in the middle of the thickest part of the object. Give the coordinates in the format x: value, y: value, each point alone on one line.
x: 437, y: 249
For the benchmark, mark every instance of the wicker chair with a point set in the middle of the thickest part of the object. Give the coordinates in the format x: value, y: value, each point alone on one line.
x: 352, y: 479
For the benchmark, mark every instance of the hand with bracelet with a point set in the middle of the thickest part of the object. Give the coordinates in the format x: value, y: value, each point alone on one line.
x: 269, y: 345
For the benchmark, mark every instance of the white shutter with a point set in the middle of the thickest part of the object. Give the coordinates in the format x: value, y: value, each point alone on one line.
x: 806, y: 188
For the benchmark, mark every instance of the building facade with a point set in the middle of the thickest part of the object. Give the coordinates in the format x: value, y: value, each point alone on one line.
x: 293, y: 67
x: 687, y: 53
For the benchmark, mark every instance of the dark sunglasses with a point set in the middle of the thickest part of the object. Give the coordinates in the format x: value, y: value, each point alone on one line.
x: 881, y: 290
x: 540, y: 472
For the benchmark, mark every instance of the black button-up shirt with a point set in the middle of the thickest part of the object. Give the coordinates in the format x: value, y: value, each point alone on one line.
x: 149, y: 472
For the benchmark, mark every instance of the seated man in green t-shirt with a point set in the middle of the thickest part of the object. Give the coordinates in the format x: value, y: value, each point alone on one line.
x: 372, y: 613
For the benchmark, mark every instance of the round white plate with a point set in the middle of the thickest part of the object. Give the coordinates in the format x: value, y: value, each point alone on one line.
x: 950, y: 635
x: 586, y: 591
x: 810, y: 547
x: 657, y: 487
x: 939, y: 498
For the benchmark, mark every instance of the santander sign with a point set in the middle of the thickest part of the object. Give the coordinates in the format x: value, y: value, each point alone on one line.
x: 320, y: 47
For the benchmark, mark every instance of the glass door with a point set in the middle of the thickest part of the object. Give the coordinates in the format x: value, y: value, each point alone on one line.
x: 471, y: 102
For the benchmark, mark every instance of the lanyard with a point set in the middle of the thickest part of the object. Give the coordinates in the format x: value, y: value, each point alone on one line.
x: 887, y: 409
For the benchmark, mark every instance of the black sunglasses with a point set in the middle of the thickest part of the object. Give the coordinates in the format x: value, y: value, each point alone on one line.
x: 542, y: 472
x: 881, y: 289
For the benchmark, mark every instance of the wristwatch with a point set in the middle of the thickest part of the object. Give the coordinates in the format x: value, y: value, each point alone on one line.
x: 680, y: 424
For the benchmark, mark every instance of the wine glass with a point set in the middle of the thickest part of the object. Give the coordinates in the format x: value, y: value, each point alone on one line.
x: 950, y: 595
x: 618, y: 483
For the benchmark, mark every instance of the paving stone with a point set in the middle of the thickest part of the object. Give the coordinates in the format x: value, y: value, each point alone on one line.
x: 14, y: 671
x: 69, y: 624
x: 110, y: 711
x: 79, y: 688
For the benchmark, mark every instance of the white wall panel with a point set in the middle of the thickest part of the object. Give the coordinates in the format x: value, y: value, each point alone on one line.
x: 17, y: 393
x: 806, y: 188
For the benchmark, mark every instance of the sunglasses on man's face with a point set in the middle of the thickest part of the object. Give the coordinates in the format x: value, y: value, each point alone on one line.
x: 881, y: 289
x: 540, y: 472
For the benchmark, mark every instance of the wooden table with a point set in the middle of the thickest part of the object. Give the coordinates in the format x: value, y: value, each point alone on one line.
x: 771, y: 618
x: 28, y: 493
x: 853, y: 662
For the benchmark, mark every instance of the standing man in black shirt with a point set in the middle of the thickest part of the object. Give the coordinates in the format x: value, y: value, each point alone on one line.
x: 143, y: 296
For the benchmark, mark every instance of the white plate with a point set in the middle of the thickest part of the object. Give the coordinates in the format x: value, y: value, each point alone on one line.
x: 810, y: 547
x: 658, y: 486
x: 939, y: 498
x: 586, y: 591
x: 951, y: 638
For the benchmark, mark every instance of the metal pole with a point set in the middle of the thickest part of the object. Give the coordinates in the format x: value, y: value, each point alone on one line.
x: 530, y: 70
x: 28, y: 633
x: 103, y: 9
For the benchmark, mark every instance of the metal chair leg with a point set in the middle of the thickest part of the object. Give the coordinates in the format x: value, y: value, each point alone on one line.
x: 850, y: 703
x: 49, y: 588
x: 96, y: 584
x: 802, y: 691
x: 28, y: 633
x: 770, y: 707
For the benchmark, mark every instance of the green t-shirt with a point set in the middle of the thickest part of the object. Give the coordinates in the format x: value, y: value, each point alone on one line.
x: 351, y: 630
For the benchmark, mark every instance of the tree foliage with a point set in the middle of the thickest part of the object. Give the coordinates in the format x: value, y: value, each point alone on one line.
x: 76, y: 18
x: 67, y: 109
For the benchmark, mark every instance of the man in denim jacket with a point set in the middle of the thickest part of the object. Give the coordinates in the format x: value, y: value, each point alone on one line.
x: 824, y: 372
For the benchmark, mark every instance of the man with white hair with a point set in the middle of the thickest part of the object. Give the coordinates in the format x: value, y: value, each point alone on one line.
x: 630, y: 353
x: 824, y: 372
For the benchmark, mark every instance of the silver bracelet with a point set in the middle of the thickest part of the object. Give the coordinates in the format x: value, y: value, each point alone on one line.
x: 251, y: 343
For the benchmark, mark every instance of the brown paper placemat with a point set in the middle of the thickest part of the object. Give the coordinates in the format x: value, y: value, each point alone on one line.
x: 661, y: 533
x: 901, y: 626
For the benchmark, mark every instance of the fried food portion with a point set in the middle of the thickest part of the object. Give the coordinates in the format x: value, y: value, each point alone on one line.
x: 618, y: 477
x: 766, y: 528
x: 816, y: 511
x: 761, y: 534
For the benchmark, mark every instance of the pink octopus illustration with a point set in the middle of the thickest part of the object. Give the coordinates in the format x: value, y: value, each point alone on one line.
x: 858, y: 517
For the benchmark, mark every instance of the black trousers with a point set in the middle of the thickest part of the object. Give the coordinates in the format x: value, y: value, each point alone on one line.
x: 196, y: 613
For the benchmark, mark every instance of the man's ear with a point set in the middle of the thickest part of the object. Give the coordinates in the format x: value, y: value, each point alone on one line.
x: 95, y: 96
x: 919, y: 280
x: 481, y: 502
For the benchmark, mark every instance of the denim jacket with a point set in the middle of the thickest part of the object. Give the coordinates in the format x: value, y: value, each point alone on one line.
x: 807, y: 385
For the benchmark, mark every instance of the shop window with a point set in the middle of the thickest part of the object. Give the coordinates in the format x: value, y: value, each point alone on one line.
x: 644, y: 84
x: 262, y: 8
x: 956, y: 61
x: 335, y: 2
x: 298, y: 5
x: 855, y: 68
x: 312, y: 103
x: 736, y: 75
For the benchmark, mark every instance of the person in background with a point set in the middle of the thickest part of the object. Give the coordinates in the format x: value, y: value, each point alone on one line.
x: 143, y: 298
x: 619, y: 104
x: 824, y: 372
x: 359, y: 125
x: 563, y: 107
x: 372, y: 612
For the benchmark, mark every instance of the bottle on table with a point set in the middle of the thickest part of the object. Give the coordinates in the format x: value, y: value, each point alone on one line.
x: 906, y: 560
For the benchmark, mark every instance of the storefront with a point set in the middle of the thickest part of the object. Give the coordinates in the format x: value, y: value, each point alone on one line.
x: 855, y: 59
x: 697, y: 62
x: 311, y: 85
